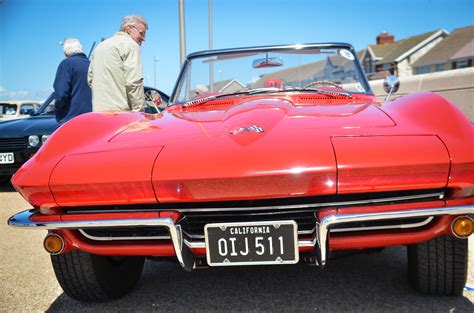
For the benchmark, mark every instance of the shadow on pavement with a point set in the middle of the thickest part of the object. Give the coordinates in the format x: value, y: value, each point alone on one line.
x: 375, y: 282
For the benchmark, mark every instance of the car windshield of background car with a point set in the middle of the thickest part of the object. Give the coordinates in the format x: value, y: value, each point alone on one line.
x: 8, y: 109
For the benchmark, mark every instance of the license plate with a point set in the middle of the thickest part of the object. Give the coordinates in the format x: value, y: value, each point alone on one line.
x: 7, y: 158
x: 254, y: 243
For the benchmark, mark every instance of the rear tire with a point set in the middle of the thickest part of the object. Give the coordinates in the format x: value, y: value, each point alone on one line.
x: 438, y: 266
x: 90, y: 278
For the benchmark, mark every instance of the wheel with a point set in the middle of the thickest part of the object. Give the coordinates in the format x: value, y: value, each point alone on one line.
x: 89, y: 277
x: 438, y: 266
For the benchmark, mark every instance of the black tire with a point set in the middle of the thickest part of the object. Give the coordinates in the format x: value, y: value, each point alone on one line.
x: 438, y: 266
x: 90, y: 278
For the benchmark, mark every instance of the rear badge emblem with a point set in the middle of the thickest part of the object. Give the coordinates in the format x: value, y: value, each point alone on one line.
x: 250, y: 129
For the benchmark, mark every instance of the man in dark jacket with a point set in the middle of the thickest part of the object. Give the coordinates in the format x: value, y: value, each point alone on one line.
x: 72, y: 93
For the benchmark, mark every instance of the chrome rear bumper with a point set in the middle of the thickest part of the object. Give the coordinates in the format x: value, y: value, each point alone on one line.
x: 181, y: 246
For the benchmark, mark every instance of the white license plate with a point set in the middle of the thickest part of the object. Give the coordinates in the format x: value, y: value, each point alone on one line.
x: 7, y: 158
x: 252, y: 243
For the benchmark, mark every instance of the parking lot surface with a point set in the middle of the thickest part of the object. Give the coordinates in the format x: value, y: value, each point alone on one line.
x: 358, y: 282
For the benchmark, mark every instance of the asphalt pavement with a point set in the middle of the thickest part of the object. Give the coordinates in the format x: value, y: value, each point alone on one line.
x: 357, y: 282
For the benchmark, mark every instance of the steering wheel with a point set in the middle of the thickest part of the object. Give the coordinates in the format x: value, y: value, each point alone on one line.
x: 323, y: 82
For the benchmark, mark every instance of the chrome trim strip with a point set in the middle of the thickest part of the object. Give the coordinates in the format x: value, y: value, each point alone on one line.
x: 195, y: 245
x: 181, y: 245
x: 403, y: 226
x: 22, y: 220
x: 328, y: 221
x: 91, y: 237
x: 440, y: 195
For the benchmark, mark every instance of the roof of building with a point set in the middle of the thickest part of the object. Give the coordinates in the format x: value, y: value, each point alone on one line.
x: 303, y: 72
x: 380, y: 51
x: 398, y: 50
x: 225, y: 85
x: 459, y: 44
x: 466, y: 52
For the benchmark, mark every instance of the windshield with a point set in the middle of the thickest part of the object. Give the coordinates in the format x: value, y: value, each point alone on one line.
x: 8, y: 108
x: 47, y: 108
x: 333, y: 68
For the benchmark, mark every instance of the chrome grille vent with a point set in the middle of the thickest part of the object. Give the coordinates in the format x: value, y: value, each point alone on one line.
x: 12, y: 144
x: 193, y: 222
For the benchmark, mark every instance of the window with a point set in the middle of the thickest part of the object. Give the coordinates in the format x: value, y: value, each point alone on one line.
x: 8, y: 108
x: 386, y: 67
x: 461, y: 64
x: 439, y: 67
x: 423, y: 69
x: 27, y: 109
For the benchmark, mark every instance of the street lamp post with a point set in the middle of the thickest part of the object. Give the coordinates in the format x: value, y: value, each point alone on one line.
x: 211, y: 66
x: 182, y: 33
x: 155, y: 59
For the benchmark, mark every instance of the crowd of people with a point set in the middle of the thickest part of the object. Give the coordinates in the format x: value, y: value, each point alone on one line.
x: 112, y: 80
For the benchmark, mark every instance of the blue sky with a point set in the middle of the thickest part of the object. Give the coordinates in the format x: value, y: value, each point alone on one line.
x: 30, y: 30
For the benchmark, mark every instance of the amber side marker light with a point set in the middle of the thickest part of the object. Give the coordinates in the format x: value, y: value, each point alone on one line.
x: 462, y: 226
x: 53, y: 243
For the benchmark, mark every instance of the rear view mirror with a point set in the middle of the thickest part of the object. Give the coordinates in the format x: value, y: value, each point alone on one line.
x: 153, y: 100
x: 390, y: 85
x: 267, y: 62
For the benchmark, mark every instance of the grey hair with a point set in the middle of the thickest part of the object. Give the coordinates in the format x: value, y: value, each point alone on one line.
x: 72, y: 46
x: 132, y: 20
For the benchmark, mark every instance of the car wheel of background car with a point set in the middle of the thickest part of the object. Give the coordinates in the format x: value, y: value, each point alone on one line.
x: 88, y: 277
x: 438, y: 266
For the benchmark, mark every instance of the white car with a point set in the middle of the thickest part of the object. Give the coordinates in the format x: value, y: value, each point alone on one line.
x: 17, y: 109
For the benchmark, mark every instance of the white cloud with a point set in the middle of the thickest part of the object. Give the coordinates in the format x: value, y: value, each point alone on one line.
x: 43, y: 93
x: 12, y: 95
x: 253, y: 80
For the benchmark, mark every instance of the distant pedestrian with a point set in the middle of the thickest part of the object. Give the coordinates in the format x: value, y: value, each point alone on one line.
x: 115, y: 73
x: 71, y: 91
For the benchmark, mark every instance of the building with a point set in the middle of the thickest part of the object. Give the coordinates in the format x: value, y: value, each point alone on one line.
x: 294, y: 76
x: 397, y: 57
x: 456, y: 51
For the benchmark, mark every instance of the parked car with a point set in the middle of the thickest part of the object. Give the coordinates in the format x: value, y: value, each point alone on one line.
x: 21, y: 138
x: 10, y: 110
x: 286, y: 158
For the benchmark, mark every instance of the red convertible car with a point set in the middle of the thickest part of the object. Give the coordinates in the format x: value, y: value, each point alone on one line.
x: 265, y: 156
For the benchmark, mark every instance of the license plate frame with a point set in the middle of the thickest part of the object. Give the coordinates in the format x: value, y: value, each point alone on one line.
x: 288, y: 244
x: 7, y: 158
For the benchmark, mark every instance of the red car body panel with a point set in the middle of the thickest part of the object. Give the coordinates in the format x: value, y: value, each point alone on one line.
x: 396, y: 163
x: 243, y: 165
x: 100, y: 183
x: 309, y: 147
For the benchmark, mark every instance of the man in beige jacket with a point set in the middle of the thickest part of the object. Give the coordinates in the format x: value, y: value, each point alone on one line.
x: 115, y: 74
